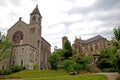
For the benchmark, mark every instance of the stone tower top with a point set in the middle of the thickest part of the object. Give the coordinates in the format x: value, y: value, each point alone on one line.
x: 35, y: 16
x: 64, y: 39
x: 36, y: 11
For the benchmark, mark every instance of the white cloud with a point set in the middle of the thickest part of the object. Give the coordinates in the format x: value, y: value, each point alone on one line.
x: 85, y: 18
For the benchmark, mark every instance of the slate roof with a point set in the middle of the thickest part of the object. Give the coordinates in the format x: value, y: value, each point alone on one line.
x: 94, y: 38
x: 36, y: 11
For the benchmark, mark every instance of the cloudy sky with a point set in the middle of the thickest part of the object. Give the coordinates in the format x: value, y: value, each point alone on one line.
x: 72, y: 18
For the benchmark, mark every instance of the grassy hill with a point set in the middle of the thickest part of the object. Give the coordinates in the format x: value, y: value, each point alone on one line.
x: 53, y: 75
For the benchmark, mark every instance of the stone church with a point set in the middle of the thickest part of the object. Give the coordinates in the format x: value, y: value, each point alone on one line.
x: 90, y: 46
x: 29, y: 46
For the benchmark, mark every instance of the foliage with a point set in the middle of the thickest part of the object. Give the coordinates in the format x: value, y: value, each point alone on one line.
x: 5, y: 47
x: 54, y: 60
x: 66, y: 55
x: 116, y: 43
x: 12, y: 69
x: 67, y: 46
x: 35, y: 66
x: 85, y: 61
x: 116, y: 38
x: 107, y: 58
x: 71, y: 66
x: 7, y: 71
x: 17, y: 68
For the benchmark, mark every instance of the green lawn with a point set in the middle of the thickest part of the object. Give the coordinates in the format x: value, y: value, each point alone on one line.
x: 54, y: 75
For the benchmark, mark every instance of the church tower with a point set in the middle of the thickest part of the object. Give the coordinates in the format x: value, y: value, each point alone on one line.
x: 64, y: 39
x: 35, y: 17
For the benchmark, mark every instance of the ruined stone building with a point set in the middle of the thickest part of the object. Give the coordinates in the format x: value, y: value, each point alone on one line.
x: 29, y: 46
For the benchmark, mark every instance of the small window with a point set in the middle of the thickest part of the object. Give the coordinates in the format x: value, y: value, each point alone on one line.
x: 21, y: 62
x: 32, y: 30
x: 22, y: 51
x: 33, y: 19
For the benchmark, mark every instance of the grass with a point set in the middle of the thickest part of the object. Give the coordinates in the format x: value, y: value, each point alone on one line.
x: 54, y: 75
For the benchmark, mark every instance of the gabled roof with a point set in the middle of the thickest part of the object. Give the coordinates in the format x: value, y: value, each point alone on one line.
x: 94, y: 38
x: 17, y: 23
x: 36, y: 11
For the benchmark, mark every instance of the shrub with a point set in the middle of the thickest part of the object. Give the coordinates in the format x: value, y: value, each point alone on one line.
x: 1, y: 72
x: 72, y: 66
x: 88, y: 67
x: 35, y: 66
x: 17, y: 68
x: 7, y: 71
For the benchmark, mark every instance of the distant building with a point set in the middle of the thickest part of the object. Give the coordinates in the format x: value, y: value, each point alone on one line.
x: 91, y: 46
x: 64, y: 39
x: 29, y: 46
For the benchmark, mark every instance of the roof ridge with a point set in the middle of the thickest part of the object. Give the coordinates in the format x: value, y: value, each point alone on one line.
x: 93, y: 38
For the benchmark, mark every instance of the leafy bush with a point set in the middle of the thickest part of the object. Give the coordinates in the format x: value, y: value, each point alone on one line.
x: 71, y: 66
x: 12, y: 69
x: 1, y: 72
x: 88, y: 66
x: 7, y: 71
x: 17, y: 68
x: 35, y: 66
x: 54, y: 59
x: 107, y: 59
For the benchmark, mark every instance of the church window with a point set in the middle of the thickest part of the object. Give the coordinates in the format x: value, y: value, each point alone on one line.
x: 38, y: 42
x: 32, y: 30
x: 91, y: 49
x: 17, y: 37
x: 21, y: 62
x: 96, y: 47
x: 33, y: 19
x: 13, y: 63
x: 22, y: 51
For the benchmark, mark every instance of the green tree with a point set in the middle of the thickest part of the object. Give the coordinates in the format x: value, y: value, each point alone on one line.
x: 71, y: 66
x: 107, y: 59
x: 116, y: 38
x: 116, y: 43
x: 5, y: 47
x: 54, y: 60
x: 85, y: 61
x: 67, y: 46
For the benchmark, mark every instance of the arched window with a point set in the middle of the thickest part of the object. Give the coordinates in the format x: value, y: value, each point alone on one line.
x: 18, y: 35
x: 21, y: 62
x: 33, y: 19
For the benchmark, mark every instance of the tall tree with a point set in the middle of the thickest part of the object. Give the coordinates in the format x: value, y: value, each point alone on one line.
x: 5, y: 47
x: 68, y: 46
x: 116, y: 37
x: 116, y: 43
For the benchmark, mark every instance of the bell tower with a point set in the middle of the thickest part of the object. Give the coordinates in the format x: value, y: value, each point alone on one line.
x: 64, y: 39
x: 35, y: 17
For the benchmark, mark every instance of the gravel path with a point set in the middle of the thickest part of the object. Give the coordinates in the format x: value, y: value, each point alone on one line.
x: 111, y: 76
